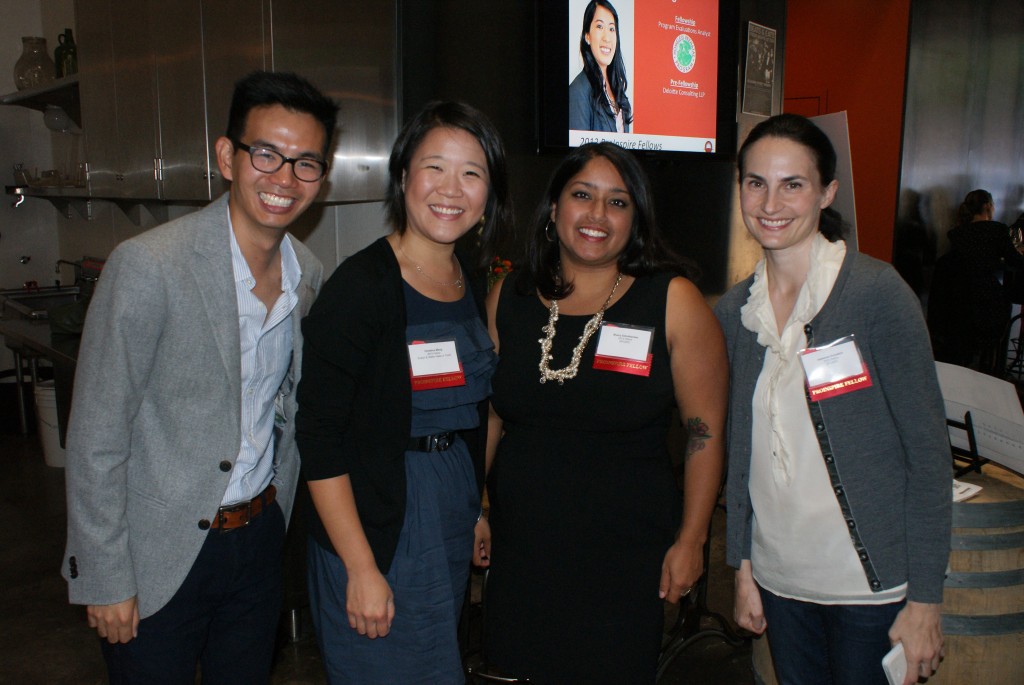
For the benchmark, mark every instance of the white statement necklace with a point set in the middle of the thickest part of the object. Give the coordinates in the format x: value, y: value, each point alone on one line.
x: 562, y: 375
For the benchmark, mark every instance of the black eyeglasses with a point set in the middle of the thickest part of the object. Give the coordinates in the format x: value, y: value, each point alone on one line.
x: 268, y: 161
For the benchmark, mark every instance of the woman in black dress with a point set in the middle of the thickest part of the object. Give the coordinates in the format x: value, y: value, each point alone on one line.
x: 589, y: 533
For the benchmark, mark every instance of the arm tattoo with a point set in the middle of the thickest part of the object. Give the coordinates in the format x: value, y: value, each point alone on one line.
x: 697, y: 435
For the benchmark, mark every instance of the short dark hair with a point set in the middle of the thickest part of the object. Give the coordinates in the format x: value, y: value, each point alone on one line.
x: 617, y: 81
x: 645, y: 251
x: 291, y: 91
x: 801, y: 130
x: 454, y: 115
x: 972, y: 205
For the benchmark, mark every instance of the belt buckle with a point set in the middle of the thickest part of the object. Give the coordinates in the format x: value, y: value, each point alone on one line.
x: 248, y: 514
x: 441, y: 442
x: 224, y: 511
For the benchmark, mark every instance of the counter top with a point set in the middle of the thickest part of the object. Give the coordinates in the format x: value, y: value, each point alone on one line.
x: 35, y: 336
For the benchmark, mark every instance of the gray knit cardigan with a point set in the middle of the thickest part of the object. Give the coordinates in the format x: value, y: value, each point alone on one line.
x: 885, y: 447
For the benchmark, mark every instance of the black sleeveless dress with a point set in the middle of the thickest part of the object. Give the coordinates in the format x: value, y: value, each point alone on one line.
x: 583, y: 500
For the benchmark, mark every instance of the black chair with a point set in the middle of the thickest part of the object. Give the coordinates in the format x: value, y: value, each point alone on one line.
x: 693, y: 615
x: 472, y: 629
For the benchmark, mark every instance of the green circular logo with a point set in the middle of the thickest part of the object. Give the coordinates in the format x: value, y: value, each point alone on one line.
x: 684, y: 53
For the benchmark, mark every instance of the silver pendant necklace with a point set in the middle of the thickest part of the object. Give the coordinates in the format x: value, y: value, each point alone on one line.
x: 570, y: 371
x: 419, y: 269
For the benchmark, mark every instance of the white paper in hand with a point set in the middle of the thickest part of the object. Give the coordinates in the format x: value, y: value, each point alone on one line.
x: 895, y: 665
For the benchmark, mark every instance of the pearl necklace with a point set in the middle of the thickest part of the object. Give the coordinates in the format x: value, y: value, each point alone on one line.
x: 419, y: 269
x: 562, y: 375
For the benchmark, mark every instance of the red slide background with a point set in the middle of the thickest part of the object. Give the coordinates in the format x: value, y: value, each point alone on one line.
x: 658, y: 113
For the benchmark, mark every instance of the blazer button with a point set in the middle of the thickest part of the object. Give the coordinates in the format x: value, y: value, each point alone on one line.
x: 204, y: 524
x: 225, y: 466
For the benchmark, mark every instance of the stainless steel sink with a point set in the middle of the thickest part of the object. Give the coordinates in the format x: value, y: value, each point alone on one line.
x: 36, y: 303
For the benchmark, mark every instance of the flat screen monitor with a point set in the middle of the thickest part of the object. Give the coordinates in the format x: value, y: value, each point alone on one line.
x: 667, y: 69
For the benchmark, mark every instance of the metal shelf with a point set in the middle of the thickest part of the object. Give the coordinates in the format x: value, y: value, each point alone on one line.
x: 64, y: 198
x: 62, y: 93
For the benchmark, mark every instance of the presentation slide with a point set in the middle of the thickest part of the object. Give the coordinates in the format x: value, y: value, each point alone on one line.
x: 668, y: 52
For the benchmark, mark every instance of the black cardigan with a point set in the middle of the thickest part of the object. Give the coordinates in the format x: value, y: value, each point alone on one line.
x: 355, y: 396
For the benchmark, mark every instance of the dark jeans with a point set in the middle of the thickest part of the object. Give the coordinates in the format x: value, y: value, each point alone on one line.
x: 224, y: 616
x: 828, y: 644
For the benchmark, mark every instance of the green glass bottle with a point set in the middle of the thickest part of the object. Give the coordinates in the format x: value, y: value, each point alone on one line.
x: 65, y: 56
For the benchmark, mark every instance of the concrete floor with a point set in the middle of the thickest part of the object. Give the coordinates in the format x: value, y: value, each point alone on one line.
x: 47, y: 641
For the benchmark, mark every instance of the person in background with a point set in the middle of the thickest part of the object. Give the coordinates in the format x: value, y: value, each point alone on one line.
x: 1017, y: 232
x: 839, y: 486
x: 970, y: 306
x: 585, y: 509
x: 597, y: 96
x: 392, y: 412
x: 181, y: 460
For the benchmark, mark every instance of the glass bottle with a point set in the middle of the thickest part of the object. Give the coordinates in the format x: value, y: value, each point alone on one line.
x: 34, y: 67
x: 65, y: 56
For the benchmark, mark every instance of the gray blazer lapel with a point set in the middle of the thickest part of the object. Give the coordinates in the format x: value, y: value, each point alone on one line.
x: 213, y: 273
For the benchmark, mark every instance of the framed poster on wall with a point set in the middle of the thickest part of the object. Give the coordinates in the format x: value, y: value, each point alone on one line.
x: 759, y: 71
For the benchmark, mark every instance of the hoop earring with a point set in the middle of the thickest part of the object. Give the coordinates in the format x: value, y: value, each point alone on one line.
x: 547, y: 232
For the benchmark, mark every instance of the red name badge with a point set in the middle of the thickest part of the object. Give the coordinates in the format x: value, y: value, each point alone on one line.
x: 834, y: 369
x: 624, y: 348
x: 434, y: 365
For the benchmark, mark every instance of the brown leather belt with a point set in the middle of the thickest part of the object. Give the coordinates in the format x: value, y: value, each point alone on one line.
x: 239, y: 515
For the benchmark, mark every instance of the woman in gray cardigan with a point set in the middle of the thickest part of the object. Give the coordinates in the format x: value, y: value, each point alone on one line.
x: 839, y: 487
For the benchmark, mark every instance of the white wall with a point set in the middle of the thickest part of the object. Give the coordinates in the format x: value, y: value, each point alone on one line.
x: 29, y: 230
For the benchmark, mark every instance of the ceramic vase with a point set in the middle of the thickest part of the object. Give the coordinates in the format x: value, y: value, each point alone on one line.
x: 34, y: 67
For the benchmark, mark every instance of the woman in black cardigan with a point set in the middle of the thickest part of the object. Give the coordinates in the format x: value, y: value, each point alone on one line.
x: 397, y: 363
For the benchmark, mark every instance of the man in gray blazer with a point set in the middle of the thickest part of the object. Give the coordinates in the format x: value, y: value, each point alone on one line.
x: 181, y: 463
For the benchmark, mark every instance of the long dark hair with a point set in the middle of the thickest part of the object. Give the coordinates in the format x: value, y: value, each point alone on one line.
x: 617, y: 81
x: 972, y: 205
x: 644, y: 253
x: 801, y: 130
x: 498, y: 211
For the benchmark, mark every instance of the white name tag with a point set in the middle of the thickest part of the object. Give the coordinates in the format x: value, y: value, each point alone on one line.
x: 834, y: 369
x: 434, y: 365
x: 624, y: 348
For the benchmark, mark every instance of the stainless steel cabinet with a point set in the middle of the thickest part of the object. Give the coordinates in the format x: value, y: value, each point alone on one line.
x: 118, y: 106
x: 157, y: 76
x: 182, y: 166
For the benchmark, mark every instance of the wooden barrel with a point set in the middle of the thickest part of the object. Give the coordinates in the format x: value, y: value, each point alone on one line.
x: 983, y: 603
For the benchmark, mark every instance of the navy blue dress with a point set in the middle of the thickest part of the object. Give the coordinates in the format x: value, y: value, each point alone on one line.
x: 431, y: 565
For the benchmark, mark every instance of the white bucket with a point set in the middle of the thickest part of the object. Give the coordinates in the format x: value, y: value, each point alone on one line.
x: 46, y: 420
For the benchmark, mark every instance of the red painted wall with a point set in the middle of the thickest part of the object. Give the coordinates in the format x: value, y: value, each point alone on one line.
x: 843, y: 55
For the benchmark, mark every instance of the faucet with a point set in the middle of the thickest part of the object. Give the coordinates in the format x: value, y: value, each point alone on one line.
x: 64, y: 261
